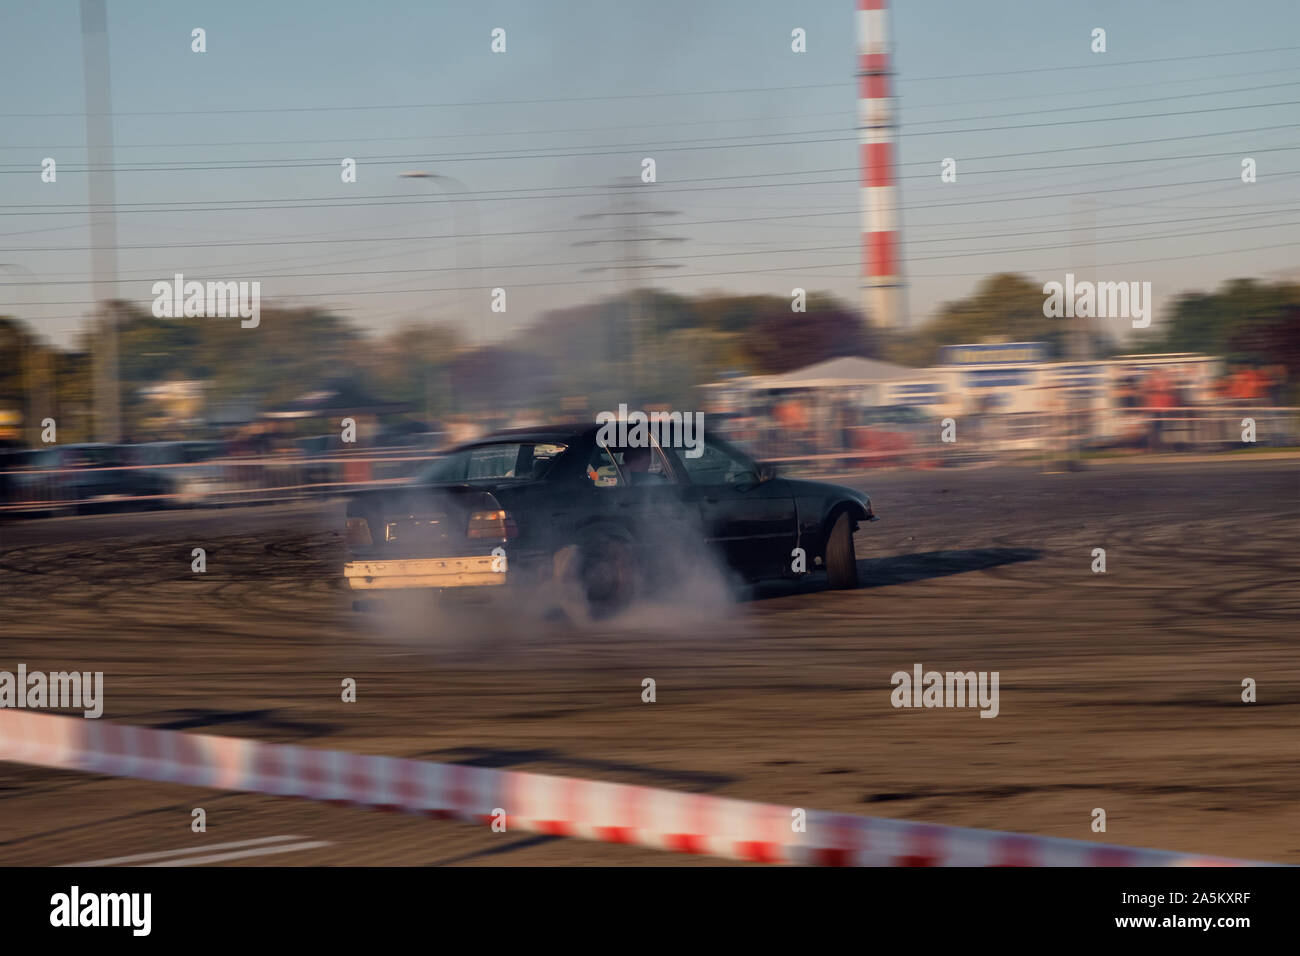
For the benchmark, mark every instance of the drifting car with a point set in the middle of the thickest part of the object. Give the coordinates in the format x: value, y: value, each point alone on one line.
x: 589, y: 526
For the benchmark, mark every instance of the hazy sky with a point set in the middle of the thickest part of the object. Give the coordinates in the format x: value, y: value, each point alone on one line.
x: 228, y: 161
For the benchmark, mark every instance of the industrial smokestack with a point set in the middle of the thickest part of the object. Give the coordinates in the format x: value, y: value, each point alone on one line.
x: 882, y: 281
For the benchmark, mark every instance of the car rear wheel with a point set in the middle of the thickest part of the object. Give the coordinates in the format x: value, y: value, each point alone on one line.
x: 596, y: 579
x: 841, y: 559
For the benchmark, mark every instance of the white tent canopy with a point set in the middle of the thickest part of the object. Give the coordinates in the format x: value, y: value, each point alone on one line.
x: 833, y: 373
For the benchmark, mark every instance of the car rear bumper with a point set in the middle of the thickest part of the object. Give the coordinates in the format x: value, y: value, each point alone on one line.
x: 424, y: 573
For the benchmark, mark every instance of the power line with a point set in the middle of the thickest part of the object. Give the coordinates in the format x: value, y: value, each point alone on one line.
x: 1103, y: 242
x: 1097, y: 106
x: 1205, y: 78
x: 331, y: 160
x: 1085, y: 192
x: 602, y: 150
x: 153, y: 274
x: 800, y: 270
x: 834, y: 248
x: 917, y: 207
x: 1123, y: 225
x: 225, y: 268
x: 1106, y: 64
x: 281, y: 242
x: 782, y: 269
x: 713, y: 121
x: 1131, y: 142
x: 1127, y: 262
x: 194, y: 206
x: 1109, y: 119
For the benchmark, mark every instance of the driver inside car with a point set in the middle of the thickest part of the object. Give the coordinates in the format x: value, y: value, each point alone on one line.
x: 638, y: 466
x: 642, y: 466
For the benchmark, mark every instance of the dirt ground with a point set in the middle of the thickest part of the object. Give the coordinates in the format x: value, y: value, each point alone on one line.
x: 1119, y: 690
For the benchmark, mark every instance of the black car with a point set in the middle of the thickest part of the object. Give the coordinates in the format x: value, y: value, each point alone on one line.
x: 588, y: 526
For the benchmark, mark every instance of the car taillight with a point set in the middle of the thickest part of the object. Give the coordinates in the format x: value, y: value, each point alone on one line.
x: 358, y: 533
x: 491, y: 524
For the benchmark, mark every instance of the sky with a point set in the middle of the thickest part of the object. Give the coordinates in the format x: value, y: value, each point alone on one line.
x: 227, y: 162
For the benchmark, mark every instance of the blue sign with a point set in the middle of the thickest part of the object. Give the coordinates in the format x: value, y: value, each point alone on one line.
x: 996, y: 353
x: 920, y: 394
x: 1079, y: 374
x: 996, y: 378
x: 917, y: 389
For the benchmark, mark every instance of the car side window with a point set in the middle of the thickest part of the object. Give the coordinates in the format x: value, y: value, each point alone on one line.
x: 717, y: 467
x: 602, y: 467
x: 612, y: 467
x: 493, y: 461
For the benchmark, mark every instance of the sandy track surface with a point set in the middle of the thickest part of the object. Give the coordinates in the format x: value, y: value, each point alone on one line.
x: 1118, y: 690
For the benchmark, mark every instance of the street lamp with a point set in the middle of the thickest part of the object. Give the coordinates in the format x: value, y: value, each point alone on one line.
x: 464, y: 205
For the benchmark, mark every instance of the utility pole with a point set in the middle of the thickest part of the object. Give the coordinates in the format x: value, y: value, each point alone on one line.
x: 103, y: 223
x: 630, y: 236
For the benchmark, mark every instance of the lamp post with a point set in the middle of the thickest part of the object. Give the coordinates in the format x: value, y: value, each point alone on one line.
x: 465, y: 212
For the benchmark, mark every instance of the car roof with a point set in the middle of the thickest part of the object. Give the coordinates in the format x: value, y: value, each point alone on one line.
x: 564, y: 434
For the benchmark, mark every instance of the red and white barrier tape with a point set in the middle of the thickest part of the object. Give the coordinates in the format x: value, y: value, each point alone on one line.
x: 561, y: 806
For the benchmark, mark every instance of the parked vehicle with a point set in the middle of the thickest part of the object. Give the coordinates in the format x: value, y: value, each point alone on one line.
x: 82, y: 478
x: 186, y: 469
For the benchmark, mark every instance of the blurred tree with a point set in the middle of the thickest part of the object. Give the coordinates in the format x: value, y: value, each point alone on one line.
x: 496, y: 377
x: 28, y: 375
x: 781, y: 340
x: 1273, y: 341
x: 1244, y: 320
x: 15, y: 342
x: 583, y: 353
x: 411, y: 365
x: 1003, y: 307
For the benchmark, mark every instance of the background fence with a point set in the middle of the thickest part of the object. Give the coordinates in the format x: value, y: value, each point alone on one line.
x: 980, y: 439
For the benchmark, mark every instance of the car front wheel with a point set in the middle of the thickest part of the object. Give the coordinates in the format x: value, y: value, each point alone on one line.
x: 841, y: 559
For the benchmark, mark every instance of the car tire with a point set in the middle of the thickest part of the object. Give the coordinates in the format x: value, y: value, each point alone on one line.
x: 596, y: 579
x: 841, y: 559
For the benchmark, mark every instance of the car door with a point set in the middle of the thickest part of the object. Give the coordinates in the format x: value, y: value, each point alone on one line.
x: 752, y: 523
x: 649, y: 499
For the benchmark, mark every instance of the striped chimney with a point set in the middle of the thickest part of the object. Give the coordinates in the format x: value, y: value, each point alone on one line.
x: 882, y: 281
